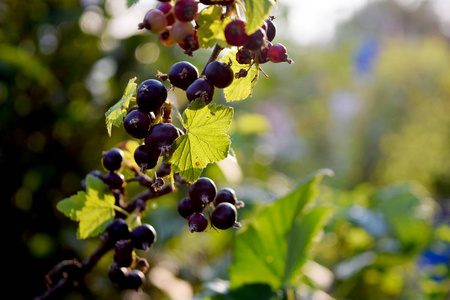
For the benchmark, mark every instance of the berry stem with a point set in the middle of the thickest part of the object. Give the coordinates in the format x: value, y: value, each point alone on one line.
x: 214, y: 55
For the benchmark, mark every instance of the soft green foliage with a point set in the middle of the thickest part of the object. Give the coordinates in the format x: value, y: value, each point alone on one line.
x: 273, y: 246
x: 211, y: 27
x: 93, y: 209
x: 205, y: 140
x: 241, y: 88
x: 115, y: 115
x: 257, y: 10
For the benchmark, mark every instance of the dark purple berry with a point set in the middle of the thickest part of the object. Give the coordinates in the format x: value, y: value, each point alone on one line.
x: 244, y: 56
x: 133, y: 280
x: 123, y: 253
x: 137, y: 123
x: 112, y: 159
x: 235, y: 34
x: 256, y: 40
x: 160, y: 137
x: 197, y: 222
x: 114, y: 180
x: 186, y: 207
x: 225, y: 195
x: 201, y: 88
x: 145, y: 158
x: 182, y: 74
x: 118, y: 230
x: 151, y: 95
x: 271, y: 29
x: 224, y: 216
x: 203, y: 191
x: 217, y: 2
x: 219, y: 74
x: 117, y: 274
x: 143, y: 236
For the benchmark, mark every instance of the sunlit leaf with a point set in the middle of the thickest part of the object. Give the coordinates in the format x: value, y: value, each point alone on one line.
x: 205, y: 140
x: 211, y: 27
x: 257, y: 12
x: 114, y: 115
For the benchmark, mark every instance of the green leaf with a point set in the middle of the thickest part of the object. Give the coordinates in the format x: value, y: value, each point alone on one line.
x: 205, y: 140
x: 93, y: 209
x: 240, y: 88
x: 131, y: 2
x: 116, y: 113
x: 257, y: 12
x: 211, y: 27
x: 273, y: 247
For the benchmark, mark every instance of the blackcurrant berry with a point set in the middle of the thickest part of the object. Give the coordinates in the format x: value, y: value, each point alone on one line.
x: 235, y: 34
x: 118, y: 230
x: 201, y: 88
x: 182, y: 74
x: 185, y: 10
x: 197, y: 222
x: 117, y: 274
x: 151, y: 95
x: 263, y: 56
x: 217, y: 2
x: 186, y: 207
x: 271, y: 29
x: 225, y: 195
x: 181, y: 30
x: 224, y: 216
x: 114, y: 180
x: 164, y: 169
x: 203, y: 191
x: 154, y: 20
x: 143, y: 237
x: 133, y: 280
x: 137, y: 123
x: 145, y: 158
x: 161, y: 137
x: 123, y: 253
x: 256, y: 40
x: 112, y: 159
x: 219, y: 74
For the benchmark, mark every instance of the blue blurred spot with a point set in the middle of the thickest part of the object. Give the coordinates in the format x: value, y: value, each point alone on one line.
x: 365, y: 56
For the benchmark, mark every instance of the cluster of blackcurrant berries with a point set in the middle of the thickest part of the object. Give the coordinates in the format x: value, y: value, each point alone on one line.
x: 185, y: 76
x: 202, y: 193
x: 124, y: 271
x: 256, y: 45
x: 140, y: 122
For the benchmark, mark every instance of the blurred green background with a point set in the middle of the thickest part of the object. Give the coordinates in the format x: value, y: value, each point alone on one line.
x: 372, y: 104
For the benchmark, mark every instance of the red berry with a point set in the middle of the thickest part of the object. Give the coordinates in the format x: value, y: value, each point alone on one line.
x: 277, y: 53
x: 185, y: 10
x: 154, y: 20
x: 181, y: 30
x: 167, y: 9
x: 235, y: 33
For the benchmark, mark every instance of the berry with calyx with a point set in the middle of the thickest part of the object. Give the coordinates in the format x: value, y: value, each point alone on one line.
x: 165, y: 38
x: 201, y: 88
x: 224, y: 216
x: 219, y: 73
x: 180, y: 31
x: 145, y: 158
x: 197, y: 222
x: 203, y: 191
x: 133, y: 280
x: 257, y: 40
x: 114, y: 180
x: 186, y: 207
x: 190, y: 43
x: 182, y: 74
x: 118, y: 230
x: 137, y: 123
x: 164, y: 169
x: 154, y: 20
x: 117, y: 274
x: 151, y: 95
x: 235, y: 34
x: 161, y: 137
x: 143, y: 237
x: 271, y: 29
x: 278, y: 53
x: 112, y: 159
x: 185, y: 10
x: 263, y: 56
x: 227, y: 195
x: 123, y: 253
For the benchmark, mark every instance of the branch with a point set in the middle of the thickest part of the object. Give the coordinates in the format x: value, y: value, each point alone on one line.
x: 214, y: 55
